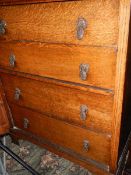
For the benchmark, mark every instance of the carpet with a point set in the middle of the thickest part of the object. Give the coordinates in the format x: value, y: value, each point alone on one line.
x: 43, y: 161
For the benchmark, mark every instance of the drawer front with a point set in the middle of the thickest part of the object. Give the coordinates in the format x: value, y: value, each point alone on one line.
x: 86, y: 143
x: 83, y: 22
x: 86, y: 65
x: 81, y: 107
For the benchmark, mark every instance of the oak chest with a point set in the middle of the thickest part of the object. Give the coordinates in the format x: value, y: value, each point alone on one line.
x: 63, y: 82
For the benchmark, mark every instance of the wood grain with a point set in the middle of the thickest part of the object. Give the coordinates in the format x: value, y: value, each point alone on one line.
x: 55, y: 25
x: 14, y: 2
x: 126, y: 113
x: 62, y: 62
x: 120, y: 79
x: 56, y: 22
x: 60, y: 82
x: 18, y: 134
x: 61, y: 102
x: 4, y: 122
x: 63, y: 134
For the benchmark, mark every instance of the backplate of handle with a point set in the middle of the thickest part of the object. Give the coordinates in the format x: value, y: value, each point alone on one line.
x: 17, y: 94
x: 83, y: 112
x: 26, y: 123
x: 2, y: 27
x: 12, y: 60
x: 84, y: 69
x: 86, y: 145
x: 81, y: 26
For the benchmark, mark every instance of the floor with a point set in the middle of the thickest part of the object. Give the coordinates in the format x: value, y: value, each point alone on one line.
x: 45, y: 162
x: 41, y: 160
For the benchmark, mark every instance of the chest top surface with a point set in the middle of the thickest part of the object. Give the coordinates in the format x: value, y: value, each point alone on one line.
x: 14, y: 2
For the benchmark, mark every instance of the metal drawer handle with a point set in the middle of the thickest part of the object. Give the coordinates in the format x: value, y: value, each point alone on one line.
x: 2, y: 27
x: 83, y: 112
x: 17, y: 94
x: 81, y: 26
x: 12, y: 60
x: 86, y: 145
x: 84, y: 69
x: 26, y: 123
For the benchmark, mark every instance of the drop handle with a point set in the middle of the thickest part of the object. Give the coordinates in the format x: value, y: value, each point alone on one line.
x: 26, y: 123
x: 86, y: 145
x: 81, y: 26
x: 12, y: 60
x: 17, y: 94
x: 2, y: 27
x: 84, y: 70
x: 83, y: 112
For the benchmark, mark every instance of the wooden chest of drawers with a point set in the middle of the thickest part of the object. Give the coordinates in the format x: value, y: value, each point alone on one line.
x: 62, y: 71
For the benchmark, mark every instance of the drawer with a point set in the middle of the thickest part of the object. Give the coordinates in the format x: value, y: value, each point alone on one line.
x: 81, y: 106
x: 86, y: 143
x: 81, y: 22
x: 80, y: 64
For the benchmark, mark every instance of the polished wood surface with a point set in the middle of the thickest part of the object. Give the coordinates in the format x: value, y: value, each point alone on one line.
x: 126, y: 119
x: 62, y: 62
x: 4, y: 123
x: 61, y: 102
x: 48, y: 55
x: 57, y: 22
x: 124, y: 14
x: 98, y: 169
x: 14, y: 2
x: 63, y: 134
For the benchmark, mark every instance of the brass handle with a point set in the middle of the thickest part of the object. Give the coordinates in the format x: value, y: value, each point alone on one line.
x: 26, y: 123
x: 86, y: 145
x: 81, y: 26
x: 84, y: 69
x: 83, y: 112
x: 2, y: 27
x: 17, y: 94
x: 12, y: 60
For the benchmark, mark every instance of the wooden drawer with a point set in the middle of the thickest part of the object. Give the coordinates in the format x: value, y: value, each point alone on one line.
x: 62, y: 62
x: 85, y: 107
x: 68, y: 136
x: 58, y: 22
